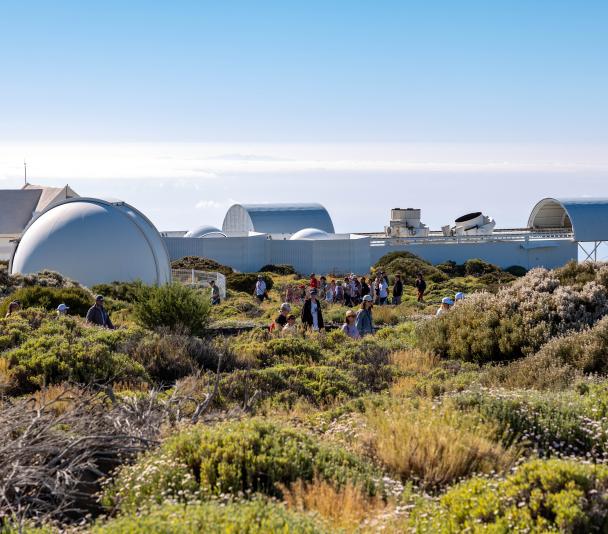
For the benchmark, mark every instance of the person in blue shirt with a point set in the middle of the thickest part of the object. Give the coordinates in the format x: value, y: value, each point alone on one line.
x: 364, y: 321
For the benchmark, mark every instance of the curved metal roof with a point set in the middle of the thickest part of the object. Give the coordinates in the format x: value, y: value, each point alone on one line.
x: 205, y: 231
x: 309, y: 233
x: 93, y: 241
x: 587, y: 218
x: 276, y: 218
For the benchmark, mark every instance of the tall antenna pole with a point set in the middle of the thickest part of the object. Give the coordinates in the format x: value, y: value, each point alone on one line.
x: 25, y: 172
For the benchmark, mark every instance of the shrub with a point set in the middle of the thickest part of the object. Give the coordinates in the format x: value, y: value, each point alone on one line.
x: 285, y: 384
x: 62, y: 350
x: 478, y: 267
x: 516, y: 321
x: 432, y: 443
x: 123, y: 291
x: 281, y: 269
x: 251, y: 455
x: 78, y: 299
x: 408, y: 265
x: 516, y: 270
x: 201, y: 264
x: 541, y: 496
x: 257, y: 516
x: 245, y: 282
x: 173, y: 306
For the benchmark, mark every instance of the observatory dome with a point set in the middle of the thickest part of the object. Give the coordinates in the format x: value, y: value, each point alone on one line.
x: 205, y: 231
x: 93, y: 241
x: 310, y: 233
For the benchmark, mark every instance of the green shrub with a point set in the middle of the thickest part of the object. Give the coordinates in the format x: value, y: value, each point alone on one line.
x: 61, y: 350
x: 541, y: 496
x: 281, y: 269
x: 257, y: 516
x: 78, y: 299
x: 516, y: 270
x: 123, y: 291
x: 252, y: 455
x: 201, y: 264
x: 478, y: 267
x: 245, y: 282
x: 285, y: 384
x: 408, y: 265
x: 173, y: 306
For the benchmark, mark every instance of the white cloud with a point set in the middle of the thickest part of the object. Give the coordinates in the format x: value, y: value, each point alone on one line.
x: 206, y: 204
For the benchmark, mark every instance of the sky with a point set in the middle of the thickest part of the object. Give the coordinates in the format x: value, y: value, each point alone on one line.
x: 182, y: 108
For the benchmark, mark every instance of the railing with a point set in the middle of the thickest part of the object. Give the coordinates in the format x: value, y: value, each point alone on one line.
x: 195, y: 278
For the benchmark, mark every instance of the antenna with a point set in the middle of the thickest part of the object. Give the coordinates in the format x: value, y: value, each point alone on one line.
x: 24, y: 172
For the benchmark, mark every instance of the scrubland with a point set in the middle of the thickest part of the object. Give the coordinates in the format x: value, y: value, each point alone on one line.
x: 492, y: 418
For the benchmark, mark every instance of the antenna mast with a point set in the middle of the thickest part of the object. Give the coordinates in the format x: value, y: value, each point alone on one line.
x: 25, y: 172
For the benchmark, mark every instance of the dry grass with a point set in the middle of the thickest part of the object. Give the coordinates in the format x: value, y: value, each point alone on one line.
x: 5, y: 377
x: 434, y: 444
x: 415, y: 361
x: 57, y: 398
x: 345, y: 508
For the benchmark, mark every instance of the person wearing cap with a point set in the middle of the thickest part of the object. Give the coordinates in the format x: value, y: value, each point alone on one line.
x: 62, y: 309
x: 13, y: 307
x: 284, y: 311
x: 98, y: 315
x: 349, y: 327
x: 458, y: 296
x: 312, y: 317
x: 260, y: 289
x: 364, y: 321
x: 446, y: 302
x: 420, y: 286
x: 215, y: 293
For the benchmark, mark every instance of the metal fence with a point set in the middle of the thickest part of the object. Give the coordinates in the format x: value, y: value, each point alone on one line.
x: 195, y: 278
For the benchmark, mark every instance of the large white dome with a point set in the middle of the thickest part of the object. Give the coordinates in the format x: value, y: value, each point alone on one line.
x: 205, y: 231
x: 310, y: 233
x: 93, y: 241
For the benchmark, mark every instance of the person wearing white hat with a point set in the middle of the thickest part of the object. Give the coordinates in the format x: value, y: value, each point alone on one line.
x: 62, y: 309
x: 284, y: 311
x: 364, y: 321
x: 260, y: 289
x: 446, y: 302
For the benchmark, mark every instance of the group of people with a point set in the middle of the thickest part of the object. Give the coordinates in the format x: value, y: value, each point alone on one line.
x: 96, y: 315
x: 447, y: 303
x: 356, y: 324
x: 351, y: 290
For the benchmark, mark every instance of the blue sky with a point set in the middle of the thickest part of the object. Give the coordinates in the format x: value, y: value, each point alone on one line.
x: 314, y: 71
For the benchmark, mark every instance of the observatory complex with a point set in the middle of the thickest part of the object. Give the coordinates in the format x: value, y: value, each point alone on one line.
x: 95, y: 241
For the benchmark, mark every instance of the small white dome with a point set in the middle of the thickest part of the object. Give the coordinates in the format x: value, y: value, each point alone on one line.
x: 205, y: 231
x: 310, y: 233
x: 93, y: 241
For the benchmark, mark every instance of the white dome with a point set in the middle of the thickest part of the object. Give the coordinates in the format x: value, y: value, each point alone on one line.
x: 310, y: 233
x: 93, y: 241
x: 205, y: 231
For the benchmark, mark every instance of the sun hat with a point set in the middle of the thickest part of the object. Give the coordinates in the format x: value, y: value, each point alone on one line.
x: 367, y: 298
x: 447, y: 300
x: 285, y: 307
x: 62, y: 307
x: 459, y: 296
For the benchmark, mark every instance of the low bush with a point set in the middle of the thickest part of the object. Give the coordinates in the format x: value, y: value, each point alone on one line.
x: 245, y: 282
x: 281, y: 269
x: 257, y: 516
x: 541, y: 496
x: 433, y: 443
x: 516, y: 321
x: 516, y: 270
x: 173, y: 306
x: 78, y: 299
x: 252, y: 455
x: 408, y: 265
x: 201, y: 264
x: 478, y: 267
x: 123, y: 291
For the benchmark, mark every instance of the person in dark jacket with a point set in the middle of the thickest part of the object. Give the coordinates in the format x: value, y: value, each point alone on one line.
x: 397, y: 290
x: 365, y: 321
x: 312, y: 317
x: 420, y: 286
x: 98, y: 315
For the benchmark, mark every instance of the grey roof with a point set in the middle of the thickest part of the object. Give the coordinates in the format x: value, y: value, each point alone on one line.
x: 586, y: 217
x: 51, y: 195
x: 17, y: 206
x: 277, y: 218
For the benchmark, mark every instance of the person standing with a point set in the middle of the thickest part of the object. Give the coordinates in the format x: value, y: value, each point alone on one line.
x: 312, y: 317
x: 260, y: 289
x: 330, y: 292
x: 98, y: 315
x: 382, y: 291
x: 397, y: 290
x: 364, y: 287
x: 364, y: 321
x: 420, y: 286
x: 314, y: 283
x: 349, y: 327
x: 215, y: 293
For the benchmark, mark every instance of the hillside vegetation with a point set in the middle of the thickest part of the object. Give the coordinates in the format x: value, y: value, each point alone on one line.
x: 490, y: 418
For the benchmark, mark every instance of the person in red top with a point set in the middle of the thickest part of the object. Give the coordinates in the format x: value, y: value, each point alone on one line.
x: 314, y: 283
